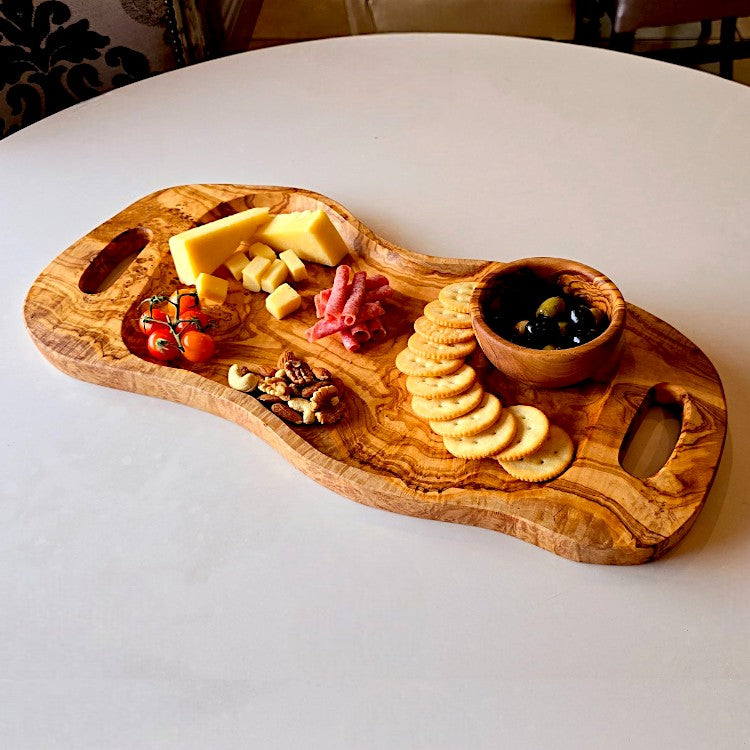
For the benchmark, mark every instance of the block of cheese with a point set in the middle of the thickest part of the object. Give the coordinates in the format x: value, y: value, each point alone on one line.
x: 296, y: 267
x: 253, y: 272
x: 211, y: 289
x: 235, y: 263
x: 310, y: 234
x: 283, y: 301
x: 203, y: 249
x: 274, y: 276
x: 258, y: 248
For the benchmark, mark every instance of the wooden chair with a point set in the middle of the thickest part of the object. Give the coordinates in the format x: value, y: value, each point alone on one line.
x: 630, y: 15
x: 238, y: 20
x: 549, y: 19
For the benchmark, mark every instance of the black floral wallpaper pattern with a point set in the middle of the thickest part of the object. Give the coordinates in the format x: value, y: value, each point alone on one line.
x: 46, y: 58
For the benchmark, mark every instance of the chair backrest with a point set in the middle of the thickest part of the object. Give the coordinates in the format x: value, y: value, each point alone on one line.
x: 553, y: 19
x: 631, y: 15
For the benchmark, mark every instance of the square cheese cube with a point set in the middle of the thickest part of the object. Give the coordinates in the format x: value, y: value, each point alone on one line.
x: 311, y: 234
x: 204, y: 248
x: 274, y: 276
x: 259, y: 249
x: 253, y: 272
x: 236, y: 263
x: 283, y: 301
x: 211, y: 289
x: 296, y: 267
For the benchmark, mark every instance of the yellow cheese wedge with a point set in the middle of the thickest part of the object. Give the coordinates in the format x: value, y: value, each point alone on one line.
x: 211, y: 289
x: 258, y: 248
x: 283, y: 301
x: 235, y: 263
x: 203, y: 249
x: 310, y: 234
x: 275, y: 276
x: 253, y: 272
x: 296, y: 267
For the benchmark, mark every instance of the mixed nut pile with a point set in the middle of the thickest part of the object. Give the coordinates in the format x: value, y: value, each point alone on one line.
x: 295, y: 391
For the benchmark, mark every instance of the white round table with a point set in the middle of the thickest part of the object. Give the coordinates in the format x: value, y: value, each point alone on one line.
x: 224, y: 600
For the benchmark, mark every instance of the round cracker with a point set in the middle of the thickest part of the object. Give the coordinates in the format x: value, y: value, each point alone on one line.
x: 533, y: 427
x: 457, y: 296
x: 442, y: 334
x: 442, y: 385
x: 548, y: 462
x: 410, y: 363
x: 450, y: 407
x: 442, y: 316
x: 486, y: 443
x: 477, y: 420
x: 440, y: 352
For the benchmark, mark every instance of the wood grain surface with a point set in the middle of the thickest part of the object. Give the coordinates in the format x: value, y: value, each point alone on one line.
x: 381, y: 454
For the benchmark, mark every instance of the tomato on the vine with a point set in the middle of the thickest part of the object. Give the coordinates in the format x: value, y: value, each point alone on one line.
x: 197, y: 346
x: 162, y: 346
x: 193, y: 319
x: 181, y: 301
x: 155, y: 320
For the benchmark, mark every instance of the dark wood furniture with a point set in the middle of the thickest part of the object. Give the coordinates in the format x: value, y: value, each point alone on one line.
x: 628, y: 16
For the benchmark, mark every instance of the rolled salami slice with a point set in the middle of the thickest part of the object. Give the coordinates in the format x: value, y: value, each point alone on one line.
x: 354, y: 300
x: 377, y: 329
x: 320, y: 303
x: 336, y: 301
x: 360, y: 331
x: 372, y: 285
x: 348, y: 340
x: 324, y: 328
x: 382, y: 292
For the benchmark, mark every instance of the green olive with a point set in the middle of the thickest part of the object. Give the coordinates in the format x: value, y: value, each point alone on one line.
x: 563, y: 326
x: 551, y: 308
x: 520, y: 327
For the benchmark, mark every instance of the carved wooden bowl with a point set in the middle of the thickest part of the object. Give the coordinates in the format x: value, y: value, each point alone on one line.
x: 555, y: 368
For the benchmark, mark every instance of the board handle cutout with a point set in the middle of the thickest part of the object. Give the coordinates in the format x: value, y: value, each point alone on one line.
x: 651, y: 438
x: 113, y: 260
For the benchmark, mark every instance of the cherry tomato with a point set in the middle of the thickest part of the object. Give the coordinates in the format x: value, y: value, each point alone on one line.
x: 149, y: 322
x: 197, y: 346
x: 162, y: 346
x: 181, y: 301
x: 193, y: 320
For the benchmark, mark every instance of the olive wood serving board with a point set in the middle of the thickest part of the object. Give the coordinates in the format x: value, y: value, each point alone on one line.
x: 381, y: 454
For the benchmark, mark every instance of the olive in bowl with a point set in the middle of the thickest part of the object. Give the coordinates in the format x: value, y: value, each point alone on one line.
x: 549, y: 322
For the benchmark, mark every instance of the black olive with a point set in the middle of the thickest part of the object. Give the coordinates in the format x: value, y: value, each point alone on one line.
x: 581, y: 317
x: 577, y: 335
x: 542, y: 331
x: 577, y: 338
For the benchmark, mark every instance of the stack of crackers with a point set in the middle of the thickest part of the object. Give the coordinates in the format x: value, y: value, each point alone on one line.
x: 472, y: 422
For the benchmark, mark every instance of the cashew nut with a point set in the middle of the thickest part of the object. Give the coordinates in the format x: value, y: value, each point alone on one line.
x: 241, y: 379
x: 305, y: 407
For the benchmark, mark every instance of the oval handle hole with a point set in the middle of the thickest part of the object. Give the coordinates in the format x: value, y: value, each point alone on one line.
x: 652, y: 435
x: 113, y: 260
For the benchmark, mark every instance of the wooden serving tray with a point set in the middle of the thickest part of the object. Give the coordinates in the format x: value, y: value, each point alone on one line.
x: 381, y: 454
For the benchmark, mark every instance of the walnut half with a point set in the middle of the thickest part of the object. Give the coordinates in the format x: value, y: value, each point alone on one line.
x: 275, y: 387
